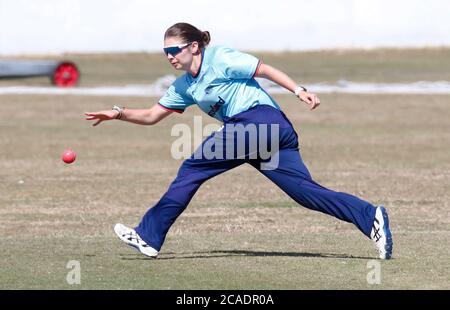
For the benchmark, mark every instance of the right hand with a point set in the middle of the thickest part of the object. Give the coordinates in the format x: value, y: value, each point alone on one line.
x: 101, y: 116
x: 310, y: 99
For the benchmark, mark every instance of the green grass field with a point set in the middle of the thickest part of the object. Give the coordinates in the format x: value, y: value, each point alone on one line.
x: 387, y: 149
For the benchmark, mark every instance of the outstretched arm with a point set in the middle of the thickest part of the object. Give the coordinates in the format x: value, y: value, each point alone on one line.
x: 142, y: 117
x: 282, y: 79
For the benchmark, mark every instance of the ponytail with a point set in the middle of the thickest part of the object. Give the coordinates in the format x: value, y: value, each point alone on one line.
x: 206, y: 37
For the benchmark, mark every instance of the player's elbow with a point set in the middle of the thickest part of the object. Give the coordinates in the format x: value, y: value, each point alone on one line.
x: 155, y: 116
x: 151, y: 121
x: 150, y: 118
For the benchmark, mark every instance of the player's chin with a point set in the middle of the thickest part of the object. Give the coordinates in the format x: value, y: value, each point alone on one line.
x: 177, y: 66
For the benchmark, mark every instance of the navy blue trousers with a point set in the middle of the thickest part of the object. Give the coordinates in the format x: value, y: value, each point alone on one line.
x: 288, y: 172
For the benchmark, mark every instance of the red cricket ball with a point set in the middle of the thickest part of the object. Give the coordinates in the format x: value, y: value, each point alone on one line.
x: 69, y: 156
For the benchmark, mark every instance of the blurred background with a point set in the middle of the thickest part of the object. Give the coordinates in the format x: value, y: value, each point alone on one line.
x: 52, y: 27
x: 118, y: 42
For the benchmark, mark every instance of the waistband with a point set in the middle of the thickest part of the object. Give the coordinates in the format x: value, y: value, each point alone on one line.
x: 260, y: 114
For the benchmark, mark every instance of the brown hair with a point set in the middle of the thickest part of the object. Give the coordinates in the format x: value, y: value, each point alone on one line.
x: 188, y: 34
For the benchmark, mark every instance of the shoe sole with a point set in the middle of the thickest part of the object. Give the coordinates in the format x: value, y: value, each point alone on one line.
x: 387, y: 232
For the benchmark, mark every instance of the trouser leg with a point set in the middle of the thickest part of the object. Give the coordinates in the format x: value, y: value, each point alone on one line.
x: 192, y: 174
x: 293, y: 178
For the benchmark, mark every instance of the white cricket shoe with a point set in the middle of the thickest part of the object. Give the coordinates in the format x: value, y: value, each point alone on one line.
x: 130, y: 237
x: 381, y: 234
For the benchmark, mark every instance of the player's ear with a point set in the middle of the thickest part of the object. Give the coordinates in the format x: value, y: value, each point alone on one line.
x: 195, y: 48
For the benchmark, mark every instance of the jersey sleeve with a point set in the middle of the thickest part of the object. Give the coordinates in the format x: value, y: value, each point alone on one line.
x: 237, y: 65
x: 176, y: 99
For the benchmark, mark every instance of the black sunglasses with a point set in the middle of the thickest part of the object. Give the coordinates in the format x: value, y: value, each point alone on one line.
x: 175, y: 50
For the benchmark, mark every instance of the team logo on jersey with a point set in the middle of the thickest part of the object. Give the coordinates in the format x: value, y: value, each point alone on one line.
x: 216, y: 107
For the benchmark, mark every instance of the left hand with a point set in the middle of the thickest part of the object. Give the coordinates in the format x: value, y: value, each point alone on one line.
x: 310, y: 99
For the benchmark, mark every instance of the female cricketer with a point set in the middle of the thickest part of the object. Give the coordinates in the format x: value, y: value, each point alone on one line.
x: 221, y: 81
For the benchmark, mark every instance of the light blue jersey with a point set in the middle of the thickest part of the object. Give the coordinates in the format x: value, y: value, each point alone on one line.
x: 224, y: 86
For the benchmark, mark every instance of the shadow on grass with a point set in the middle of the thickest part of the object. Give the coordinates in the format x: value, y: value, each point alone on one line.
x: 240, y: 253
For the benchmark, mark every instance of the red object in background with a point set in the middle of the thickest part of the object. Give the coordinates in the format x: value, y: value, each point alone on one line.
x: 66, y: 74
x: 61, y: 73
x: 69, y: 156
